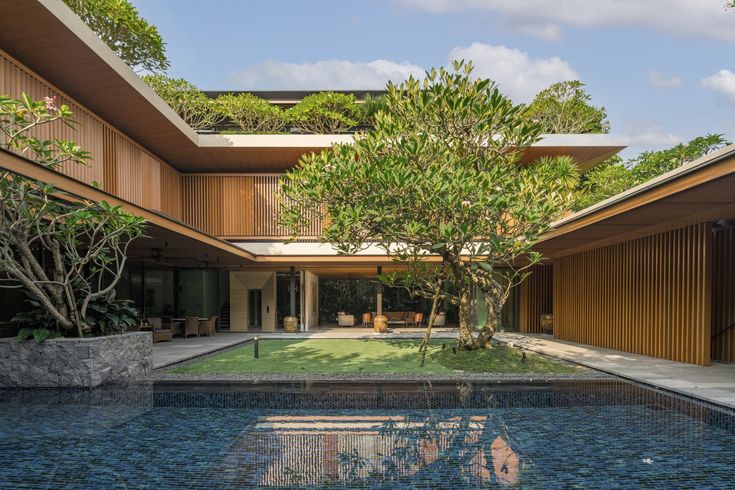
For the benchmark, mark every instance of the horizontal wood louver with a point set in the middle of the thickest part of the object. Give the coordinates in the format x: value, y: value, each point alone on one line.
x: 535, y: 298
x: 723, y: 294
x: 649, y: 296
x: 119, y: 165
x: 238, y: 206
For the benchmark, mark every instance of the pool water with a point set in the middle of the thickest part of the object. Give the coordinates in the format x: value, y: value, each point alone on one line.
x: 554, y: 435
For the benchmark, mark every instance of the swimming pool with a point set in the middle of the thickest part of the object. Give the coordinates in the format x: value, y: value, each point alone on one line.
x: 601, y: 434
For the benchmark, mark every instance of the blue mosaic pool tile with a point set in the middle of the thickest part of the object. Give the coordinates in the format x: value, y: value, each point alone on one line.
x: 569, y: 435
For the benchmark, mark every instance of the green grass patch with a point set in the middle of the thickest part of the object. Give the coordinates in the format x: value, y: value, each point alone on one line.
x: 368, y: 356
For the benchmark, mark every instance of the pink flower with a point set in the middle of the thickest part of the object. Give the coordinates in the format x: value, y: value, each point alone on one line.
x: 50, y: 103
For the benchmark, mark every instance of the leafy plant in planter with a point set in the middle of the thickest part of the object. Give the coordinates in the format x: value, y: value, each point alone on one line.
x: 325, y: 113
x: 251, y: 114
x: 194, y: 107
x: 65, y: 253
x: 112, y: 317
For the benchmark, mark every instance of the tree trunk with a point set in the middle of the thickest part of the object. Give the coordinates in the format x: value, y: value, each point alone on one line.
x: 465, y: 340
x: 425, y: 343
x: 491, y: 322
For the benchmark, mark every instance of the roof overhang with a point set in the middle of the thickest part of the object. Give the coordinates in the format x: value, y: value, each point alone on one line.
x: 176, y: 243
x: 71, y: 56
x: 700, y: 191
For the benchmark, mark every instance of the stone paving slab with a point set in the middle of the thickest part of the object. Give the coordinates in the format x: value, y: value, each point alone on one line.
x: 715, y: 383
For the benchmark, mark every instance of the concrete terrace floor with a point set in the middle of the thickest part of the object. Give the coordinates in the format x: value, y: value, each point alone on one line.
x: 715, y: 383
x: 179, y: 349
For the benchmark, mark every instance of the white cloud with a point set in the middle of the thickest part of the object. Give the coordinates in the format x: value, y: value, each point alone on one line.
x: 723, y: 82
x: 692, y: 17
x: 323, y: 75
x: 519, y: 76
x: 658, y: 79
x: 644, y: 134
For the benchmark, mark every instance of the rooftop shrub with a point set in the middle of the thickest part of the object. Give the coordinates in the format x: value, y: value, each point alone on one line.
x: 251, y: 114
x: 325, y: 113
x: 194, y: 107
x: 370, y: 106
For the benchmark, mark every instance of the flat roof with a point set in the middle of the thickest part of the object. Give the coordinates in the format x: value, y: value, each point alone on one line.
x: 72, y: 57
x: 699, y: 191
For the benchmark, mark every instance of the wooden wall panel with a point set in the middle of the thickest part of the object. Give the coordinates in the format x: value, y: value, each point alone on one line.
x: 723, y: 295
x: 649, y: 296
x: 535, y: 298
x: 238, y: 206
x: 118, y: 165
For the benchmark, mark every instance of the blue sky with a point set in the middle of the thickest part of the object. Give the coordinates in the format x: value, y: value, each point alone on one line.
x: 662, y: 68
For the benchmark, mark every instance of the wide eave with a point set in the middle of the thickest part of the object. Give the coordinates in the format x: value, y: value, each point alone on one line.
x: 73, y: 58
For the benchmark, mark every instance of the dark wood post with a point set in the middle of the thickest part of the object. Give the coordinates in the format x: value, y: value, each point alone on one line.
x: 379, y: 293
x: 292, y: 290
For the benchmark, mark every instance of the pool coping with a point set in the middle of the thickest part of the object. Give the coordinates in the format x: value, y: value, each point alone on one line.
x: 518, y: 342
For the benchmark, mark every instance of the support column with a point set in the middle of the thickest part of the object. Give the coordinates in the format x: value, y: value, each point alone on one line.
x: 292, y: 290
x: 379, y: 293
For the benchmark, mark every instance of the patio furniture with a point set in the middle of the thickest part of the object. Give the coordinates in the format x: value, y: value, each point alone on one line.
x: 160, y: 334
x: 399, y: 318
x: 207, y: 327
x: 367, y: 320
x: 345, y: 320
x: 177, y: 327
x: 416, y: 320
x: 191, y: 326
x: 440, y: 320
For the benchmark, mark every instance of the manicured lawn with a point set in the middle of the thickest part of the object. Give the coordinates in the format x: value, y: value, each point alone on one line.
x: 368, y: 356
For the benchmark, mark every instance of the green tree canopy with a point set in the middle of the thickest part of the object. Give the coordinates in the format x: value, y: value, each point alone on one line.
x: 129, y: 35
x: 565, y: 107
x: 439, y: 175
x: 616, y: 175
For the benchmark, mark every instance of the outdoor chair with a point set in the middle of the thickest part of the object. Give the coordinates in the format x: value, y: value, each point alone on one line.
x: 191, y: 326
x: 207, y: 327
x: 177, y: 327
x: 416, y: 320
x: 345, y: 320
x: 440, y: 320
x: 160, y: 334
x: 367, y: 320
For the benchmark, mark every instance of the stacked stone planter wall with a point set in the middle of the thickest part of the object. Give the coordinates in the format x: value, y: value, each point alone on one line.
x: 77, y: 363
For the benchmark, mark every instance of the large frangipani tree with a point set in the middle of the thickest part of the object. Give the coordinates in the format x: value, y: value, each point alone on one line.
x: 66, y: 253
x: 440, y: 180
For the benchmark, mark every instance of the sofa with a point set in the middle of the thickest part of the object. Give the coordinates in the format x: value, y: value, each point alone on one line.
x: 397, y: 317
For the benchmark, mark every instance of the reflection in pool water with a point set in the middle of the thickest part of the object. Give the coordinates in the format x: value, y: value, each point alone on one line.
x: 583, y: 434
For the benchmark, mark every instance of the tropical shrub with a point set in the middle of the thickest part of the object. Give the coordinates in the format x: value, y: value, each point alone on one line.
x: 616, y: 175
x: 251, y: 114
x: 194, y: 107
x: 130, y: 36
x: 369, y: 108
x: 112, y: 316
x: 325, y: 113
x: 65, y: 253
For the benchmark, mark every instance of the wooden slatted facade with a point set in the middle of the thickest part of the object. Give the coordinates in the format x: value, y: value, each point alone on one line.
x: 237, y: 206
x: 535, y: 298
x: 649, y: 296
x: 119, y: 165
x: 723, y: 294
